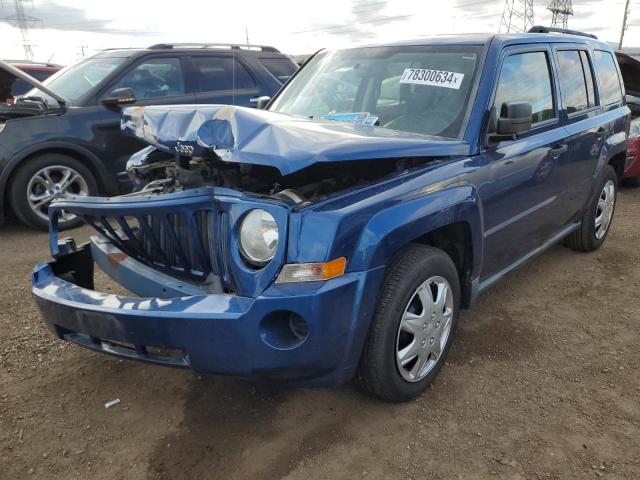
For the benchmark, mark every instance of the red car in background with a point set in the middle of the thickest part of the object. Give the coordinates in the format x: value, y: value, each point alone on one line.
x: 630, y: 68
x: 13, y: 87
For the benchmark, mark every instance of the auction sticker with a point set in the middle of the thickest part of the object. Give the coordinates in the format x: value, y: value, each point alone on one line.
x: 435, y: 78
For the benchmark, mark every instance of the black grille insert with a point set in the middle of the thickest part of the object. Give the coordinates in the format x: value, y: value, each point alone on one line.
x: 180, y: 242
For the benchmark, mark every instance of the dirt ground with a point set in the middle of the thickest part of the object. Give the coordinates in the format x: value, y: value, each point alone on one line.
x: 541, y: 383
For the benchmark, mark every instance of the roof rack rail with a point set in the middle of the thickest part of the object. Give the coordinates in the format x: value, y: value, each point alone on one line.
x: 541, y: 29
x: 234, y: 46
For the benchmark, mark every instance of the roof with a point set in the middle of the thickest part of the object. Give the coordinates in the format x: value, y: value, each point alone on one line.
x: 480, y: 39
x: 188, y: 47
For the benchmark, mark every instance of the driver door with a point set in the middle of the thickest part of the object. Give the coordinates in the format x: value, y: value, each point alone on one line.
x: 154, y: 81
x: 523, y: 201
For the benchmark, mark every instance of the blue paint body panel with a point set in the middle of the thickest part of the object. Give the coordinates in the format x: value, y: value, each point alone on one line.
x: 512, y: 201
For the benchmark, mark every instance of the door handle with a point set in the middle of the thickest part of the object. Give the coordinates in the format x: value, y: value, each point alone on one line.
x: 557, y: 151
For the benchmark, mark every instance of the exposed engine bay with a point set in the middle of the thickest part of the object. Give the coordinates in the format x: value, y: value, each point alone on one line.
x: 267, y: 153
x: 155, y: 171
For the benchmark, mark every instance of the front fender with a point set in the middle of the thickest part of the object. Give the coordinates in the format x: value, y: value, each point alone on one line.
x: 392, y: 228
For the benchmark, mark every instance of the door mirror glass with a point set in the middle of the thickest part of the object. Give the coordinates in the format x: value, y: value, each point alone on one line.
x: 515, y: 118
x: 120, y: 96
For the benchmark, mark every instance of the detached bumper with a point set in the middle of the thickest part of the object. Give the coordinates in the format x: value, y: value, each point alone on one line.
x: 217, y: 333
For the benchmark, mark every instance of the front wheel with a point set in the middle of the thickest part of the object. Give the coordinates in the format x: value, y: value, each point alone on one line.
x: 413, y: 326
x: 43, y: 179
x: 596, y: 222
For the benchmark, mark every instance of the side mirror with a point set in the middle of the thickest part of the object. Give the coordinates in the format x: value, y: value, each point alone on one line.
x: 120, y: 96
x: 260, y: 102
x: 515, y: 118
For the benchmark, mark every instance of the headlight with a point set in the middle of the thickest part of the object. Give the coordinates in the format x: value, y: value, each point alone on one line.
x: 258, y: 237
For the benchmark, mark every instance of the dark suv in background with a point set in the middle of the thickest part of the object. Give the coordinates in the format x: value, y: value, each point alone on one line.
x: 63, y: 136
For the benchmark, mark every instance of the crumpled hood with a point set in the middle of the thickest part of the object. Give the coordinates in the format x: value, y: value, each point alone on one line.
x: 288, y: 143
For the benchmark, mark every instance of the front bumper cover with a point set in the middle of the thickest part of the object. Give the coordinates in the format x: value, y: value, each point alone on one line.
x: 215, y: 333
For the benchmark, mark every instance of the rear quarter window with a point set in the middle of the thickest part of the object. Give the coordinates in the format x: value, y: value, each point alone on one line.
x: 608, y: 79
x: 281, y: 68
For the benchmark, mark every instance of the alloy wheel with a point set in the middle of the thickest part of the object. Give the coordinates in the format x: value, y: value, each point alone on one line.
x: 53, y: 182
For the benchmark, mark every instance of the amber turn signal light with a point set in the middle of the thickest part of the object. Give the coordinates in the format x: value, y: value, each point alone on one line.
x: 312, y: 272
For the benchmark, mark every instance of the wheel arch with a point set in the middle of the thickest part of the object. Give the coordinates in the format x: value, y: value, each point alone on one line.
x: 90, y: 160
x: 450, y: 219
x: 618, y: 162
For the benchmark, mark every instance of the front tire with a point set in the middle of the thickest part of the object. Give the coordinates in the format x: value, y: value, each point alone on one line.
x: 413, y: 326
x: 596, y: 222
x: 41, y: 180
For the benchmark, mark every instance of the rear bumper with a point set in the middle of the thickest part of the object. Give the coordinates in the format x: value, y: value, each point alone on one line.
x: 217, y: 333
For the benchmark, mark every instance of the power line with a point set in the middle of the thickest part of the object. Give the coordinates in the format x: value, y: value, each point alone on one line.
x: 517, y: 16
x: 560, y: 9
x: 23, y: 22
x: 624, y: 23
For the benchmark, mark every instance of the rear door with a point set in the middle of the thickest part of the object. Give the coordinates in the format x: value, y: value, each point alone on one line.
x: 586, y: 131
x: 224, y: 79
x: 523, y: 200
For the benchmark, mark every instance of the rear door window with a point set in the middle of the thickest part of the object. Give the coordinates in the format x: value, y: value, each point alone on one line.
x: 576, y: 95
x: 525, y: 77
x: 155, y: 78
x: 610, y: 89
x: 281, y: 68
x: 217, y: 74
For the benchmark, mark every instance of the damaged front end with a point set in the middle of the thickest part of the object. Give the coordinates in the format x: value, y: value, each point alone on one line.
x: 268, y: 153
x: 209, y: 244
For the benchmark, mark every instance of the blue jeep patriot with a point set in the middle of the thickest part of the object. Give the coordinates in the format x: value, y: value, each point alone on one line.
x: 338, y: 232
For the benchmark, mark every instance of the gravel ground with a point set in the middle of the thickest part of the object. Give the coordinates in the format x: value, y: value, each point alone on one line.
x: 541, y: 383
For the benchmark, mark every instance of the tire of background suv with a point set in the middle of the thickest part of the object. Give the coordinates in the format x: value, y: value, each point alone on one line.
x: 587, y: 238
x: 379, y: 372
x: 22, y: 179
x: 633, y: 182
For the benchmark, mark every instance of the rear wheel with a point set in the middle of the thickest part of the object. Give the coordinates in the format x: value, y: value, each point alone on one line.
x: 595, y: 224
x: 43, y: 179
x: 413, y: 326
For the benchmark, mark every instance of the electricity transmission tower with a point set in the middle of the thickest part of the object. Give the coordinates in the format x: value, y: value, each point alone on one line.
x: 517, y: 16
x: 561, y: 9
x: 23, y: 22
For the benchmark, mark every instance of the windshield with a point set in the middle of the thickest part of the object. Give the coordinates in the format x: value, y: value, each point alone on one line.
x: 73, y: 81
x: 412, y: 89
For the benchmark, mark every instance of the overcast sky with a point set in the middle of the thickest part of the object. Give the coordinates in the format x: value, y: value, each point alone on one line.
x: 65, y: 28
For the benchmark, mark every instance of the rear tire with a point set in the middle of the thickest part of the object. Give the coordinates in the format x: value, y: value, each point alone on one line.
x: 38, y: 181
x: 594, y: 228
x: 633, y: 182
x: 405, y: 326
